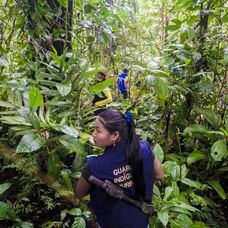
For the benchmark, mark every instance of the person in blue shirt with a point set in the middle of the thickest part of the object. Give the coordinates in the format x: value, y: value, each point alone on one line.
x: 122, y: 82
x: 128, y: 163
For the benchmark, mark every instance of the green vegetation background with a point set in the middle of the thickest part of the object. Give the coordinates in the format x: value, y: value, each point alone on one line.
x: 49, y: 53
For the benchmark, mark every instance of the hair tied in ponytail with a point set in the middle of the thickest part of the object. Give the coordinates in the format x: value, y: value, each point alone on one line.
x: 128, y: 117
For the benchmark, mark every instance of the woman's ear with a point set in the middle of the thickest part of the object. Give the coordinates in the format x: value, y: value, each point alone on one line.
x: 116, y: 136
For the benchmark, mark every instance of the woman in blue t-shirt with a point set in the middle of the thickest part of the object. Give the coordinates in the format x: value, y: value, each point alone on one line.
x: 126, y: 162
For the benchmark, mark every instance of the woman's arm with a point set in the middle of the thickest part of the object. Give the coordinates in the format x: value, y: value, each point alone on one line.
x: 158, y: 170
x: 108, y: 99
x: 82, y: 188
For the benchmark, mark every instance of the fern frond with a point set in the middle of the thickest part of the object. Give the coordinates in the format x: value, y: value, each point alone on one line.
x: 29, y: 167
x: 22, y: 164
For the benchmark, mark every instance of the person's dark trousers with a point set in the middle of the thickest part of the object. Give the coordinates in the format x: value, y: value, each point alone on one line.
x: 124, y: 93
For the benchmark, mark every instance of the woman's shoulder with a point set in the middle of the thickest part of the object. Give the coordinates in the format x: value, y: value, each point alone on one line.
x: 93, y: 157
x: 145, y: 148
x: 144, y: 144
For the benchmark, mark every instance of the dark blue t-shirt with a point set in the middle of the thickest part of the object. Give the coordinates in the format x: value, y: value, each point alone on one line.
x: 111, y: 165
x: 120, y: 81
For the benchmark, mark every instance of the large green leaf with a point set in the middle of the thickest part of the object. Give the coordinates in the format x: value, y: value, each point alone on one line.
x: 218, y: 188
x: 191, y: 33
x: 159, y: 152
x: 4, y: 187
x: 99, y: 87
x: 72, y: 143
x: 179, y: 204
x: 20, y: 128
x: 210, y: 116
x: 79, y: 222
x: 66, y: 129
x: 223, y: 133
x: 195, y: 156
x: 59, y: 103
x: 29, y: 143
x: 6, y: 211
x: 191, y: 183
x: 195, y: 128
x: 75, y: 212
x: 168, y: 192
x: 156, y: 191
x: 173, y: 27
x: 184, y: 171
x: 180, y: 210
x: 218, y: 150
x: 184, y: 206
x: 35, y: 97
x: 90, y: 71
x: 64, y: 89
x: 163, y: 216
x: 172, y: 169
x: 14, y: 120
x: 161, y: 88
x: 175, y: 187
x: 35, y: 121
x: 183, y: 220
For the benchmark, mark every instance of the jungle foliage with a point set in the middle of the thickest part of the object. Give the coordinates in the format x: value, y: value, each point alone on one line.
x: 50, y: 52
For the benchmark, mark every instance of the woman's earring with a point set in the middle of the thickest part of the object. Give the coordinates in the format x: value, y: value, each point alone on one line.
x: 114, y: 144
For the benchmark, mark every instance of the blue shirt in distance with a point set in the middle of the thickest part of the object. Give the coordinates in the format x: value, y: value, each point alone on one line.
x: 120, y: 81
x: 111, y: 165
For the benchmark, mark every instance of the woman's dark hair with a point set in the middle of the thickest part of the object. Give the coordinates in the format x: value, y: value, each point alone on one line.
x: 114, y: 120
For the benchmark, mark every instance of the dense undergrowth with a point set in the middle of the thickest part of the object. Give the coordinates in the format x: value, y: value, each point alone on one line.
x: 49, y: 56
